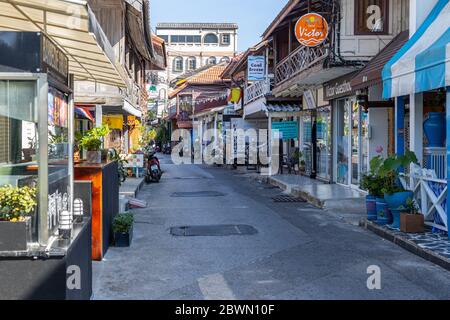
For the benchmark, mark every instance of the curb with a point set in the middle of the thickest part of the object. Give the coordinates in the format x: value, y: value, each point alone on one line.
x: 406, y: 244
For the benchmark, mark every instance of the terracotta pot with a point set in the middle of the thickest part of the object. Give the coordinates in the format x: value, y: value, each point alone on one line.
x: 412, y: 223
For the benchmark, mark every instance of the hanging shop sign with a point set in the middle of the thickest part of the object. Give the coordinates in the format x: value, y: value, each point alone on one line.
x: 54, y: 60
x: 113, y: 121
x: 339, y: 88
x: 311, y: 30
x: 256, y: 68
x: 287, y: 129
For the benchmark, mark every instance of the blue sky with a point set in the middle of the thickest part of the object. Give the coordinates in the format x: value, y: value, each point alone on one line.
x: 253, y: 16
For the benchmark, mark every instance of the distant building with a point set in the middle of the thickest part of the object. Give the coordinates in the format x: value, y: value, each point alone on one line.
x: 194, y: 45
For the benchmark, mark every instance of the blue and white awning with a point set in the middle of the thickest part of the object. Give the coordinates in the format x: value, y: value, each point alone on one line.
x: 423, y: 63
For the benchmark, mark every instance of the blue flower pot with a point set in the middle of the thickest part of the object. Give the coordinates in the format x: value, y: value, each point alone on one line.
x: 395, y: 218
x: 384, y: 216
x: 398, y: 199
x: 371, y: 205
x: 435, y: 129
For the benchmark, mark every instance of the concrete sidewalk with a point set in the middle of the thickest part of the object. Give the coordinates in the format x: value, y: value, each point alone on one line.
x: 347, y: 203
x: 131, y: 187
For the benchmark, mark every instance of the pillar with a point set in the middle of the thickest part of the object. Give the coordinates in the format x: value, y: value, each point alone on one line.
x: 400, y: 125
x: 416, y: 125
x: 447, y: 108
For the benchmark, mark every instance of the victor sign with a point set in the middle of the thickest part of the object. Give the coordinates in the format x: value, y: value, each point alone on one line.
x: 311, y: 30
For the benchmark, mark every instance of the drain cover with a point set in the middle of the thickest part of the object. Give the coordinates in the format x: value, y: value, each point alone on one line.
x: 198, y: 194
x: 286, y: 198
x: 213, y: 231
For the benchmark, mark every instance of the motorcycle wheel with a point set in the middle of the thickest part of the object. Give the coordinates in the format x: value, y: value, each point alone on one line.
x: 148, y: 179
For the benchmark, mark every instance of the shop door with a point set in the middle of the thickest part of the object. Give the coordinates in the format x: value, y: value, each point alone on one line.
x: 323, y: 145
x: 342, y: 142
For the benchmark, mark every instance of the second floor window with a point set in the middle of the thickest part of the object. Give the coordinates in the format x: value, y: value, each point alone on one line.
x: 371, y: 17
x: 212, y: 60
x: 178, y: 64
x: 211, y: 38
x: 191, y: 63
x: 225, y: 59
x: 225, y: 39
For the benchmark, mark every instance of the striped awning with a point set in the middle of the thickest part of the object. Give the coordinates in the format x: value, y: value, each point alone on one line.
x: 423, y: 63
x: 72, y: 26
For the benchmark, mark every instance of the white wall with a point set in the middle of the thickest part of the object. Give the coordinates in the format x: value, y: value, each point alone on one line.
x: 379, y: 124
x: 418, y: 11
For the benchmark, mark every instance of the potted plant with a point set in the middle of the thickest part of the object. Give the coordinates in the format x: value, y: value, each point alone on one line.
x: 394, y: 193
x: 123, y: 229
x: 372, y: 182
x: 411, y: 220
x: 16, y: 206
x: 92, y: 142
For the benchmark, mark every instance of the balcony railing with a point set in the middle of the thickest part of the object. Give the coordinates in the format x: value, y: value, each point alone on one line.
x: 257, y: 90
x: 436, y: 159
x: 299, y: 60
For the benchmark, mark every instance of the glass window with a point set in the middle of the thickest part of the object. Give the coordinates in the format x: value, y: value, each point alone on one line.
x: 178, y: 64
x: 225, y: 59
x: 211, y: 38
x: 165, y: 38
x: 371, y: 17
x: 192, y: 63
x: 225, y: 39
x: 212, y: 60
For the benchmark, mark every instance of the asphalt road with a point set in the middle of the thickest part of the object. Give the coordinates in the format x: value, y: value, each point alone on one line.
x: 299, y: 252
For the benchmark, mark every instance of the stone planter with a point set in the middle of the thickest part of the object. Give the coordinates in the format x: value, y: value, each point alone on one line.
x: 14, y: 236
x: 412, y: 223
x: 94, y: 156
x: 123, y: 239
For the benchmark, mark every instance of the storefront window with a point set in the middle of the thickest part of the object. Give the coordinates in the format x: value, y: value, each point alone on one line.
x: 324, y: 143
x: 58, y: 156
x: 18, y: 135
x: 356, y: 120
x: 342, y: 136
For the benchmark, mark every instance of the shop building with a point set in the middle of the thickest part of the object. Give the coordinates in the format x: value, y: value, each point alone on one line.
x: 39, y: 62
x: 333, y: 128
x: 417, y: 79
x: 126, y: 25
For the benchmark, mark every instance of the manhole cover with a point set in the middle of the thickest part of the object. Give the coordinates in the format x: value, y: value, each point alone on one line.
x: 213, y: 231
x: 197, y: 194
x: 287, y: 198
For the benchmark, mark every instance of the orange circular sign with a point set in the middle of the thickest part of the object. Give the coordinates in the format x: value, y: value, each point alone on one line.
x: 311, y: 29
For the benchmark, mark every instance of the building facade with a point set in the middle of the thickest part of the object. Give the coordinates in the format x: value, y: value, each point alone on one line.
x: 194, y: 45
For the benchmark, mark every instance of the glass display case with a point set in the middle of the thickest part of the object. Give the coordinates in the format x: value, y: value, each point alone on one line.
x: 36, y: 128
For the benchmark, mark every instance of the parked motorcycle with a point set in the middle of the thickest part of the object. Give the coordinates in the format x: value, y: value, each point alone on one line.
x: 167, y: 149
x: 153, y: 171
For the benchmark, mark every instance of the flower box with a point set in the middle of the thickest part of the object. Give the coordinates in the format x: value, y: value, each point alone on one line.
x: 14, y: 236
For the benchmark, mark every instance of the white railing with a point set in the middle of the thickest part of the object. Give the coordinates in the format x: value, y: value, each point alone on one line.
x: 299, y: 60
x: 430, y: 194
x: 436, y: 159
x: 257, y: 90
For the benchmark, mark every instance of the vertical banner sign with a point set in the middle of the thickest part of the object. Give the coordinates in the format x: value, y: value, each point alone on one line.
x: 256, y: 68
x: 311, y: 30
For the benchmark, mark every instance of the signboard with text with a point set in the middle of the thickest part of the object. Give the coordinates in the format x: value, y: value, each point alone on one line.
x: 256, y: 68
x: 311, y: 30
x: 287, y: 129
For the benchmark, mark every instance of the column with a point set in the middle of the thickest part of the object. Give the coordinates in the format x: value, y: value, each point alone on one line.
x: 416, y: 125
x: 98, y: 115
x: 400, y: 126
x: 269, y: 143
x: 447, y: 108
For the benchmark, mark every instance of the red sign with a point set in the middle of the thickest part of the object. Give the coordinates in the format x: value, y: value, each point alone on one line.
x: 311, y: 30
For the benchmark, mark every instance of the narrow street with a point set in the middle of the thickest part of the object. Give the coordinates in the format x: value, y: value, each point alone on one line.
x: 299, y: 252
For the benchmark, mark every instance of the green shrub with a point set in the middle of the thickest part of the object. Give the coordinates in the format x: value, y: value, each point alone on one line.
x: 123, y: 223
x: 16, y: 202
x: 92, y: 140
